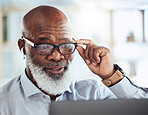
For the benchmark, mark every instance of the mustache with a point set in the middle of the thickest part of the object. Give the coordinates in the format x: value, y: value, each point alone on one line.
x: 63, y: 63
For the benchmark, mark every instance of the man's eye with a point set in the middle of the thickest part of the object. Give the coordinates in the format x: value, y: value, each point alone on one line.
x: 66, y: 46
x: 45, y: 47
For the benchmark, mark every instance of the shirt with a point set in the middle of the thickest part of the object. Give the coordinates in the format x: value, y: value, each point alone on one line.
x: 21, y: 97
x: 126, y: 89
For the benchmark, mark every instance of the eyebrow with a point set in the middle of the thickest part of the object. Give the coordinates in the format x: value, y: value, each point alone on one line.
x: 46, y: 38
x: 64, y: 39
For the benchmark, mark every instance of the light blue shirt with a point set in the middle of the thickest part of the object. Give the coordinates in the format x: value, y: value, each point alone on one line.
x: 126, y: 89
x: 21, y: 97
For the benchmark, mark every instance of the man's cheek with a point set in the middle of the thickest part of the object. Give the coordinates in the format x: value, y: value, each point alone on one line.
x: 37, y: 60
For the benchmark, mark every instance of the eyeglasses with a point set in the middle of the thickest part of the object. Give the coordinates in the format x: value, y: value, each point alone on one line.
x: 47, y: 48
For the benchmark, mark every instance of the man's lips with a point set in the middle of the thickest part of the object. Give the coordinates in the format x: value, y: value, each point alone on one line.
x: 54, y: 69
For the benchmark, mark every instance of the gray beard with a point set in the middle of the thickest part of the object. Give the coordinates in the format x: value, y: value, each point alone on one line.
x: 53, y: 84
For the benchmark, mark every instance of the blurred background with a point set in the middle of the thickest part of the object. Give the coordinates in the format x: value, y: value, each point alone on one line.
x: 120, y: 25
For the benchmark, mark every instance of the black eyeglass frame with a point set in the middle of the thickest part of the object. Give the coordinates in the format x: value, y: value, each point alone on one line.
x: 54, y: 46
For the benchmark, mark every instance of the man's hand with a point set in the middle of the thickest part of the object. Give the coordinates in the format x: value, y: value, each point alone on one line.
x: 97, y: 58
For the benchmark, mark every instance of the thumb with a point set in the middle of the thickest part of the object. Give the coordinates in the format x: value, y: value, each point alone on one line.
x: 81, y: 50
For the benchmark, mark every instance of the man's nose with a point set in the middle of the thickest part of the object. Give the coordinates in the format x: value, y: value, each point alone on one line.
x: 56, y: 55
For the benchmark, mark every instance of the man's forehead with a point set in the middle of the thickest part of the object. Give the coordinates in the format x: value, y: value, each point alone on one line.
x: 46, y: 25
x: 50, y: 31
x: 51, y: 35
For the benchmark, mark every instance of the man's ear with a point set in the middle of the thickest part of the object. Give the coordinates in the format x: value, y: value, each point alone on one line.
x: 21, y: 44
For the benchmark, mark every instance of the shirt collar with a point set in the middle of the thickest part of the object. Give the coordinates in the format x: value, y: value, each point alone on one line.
x: 30, y: 89
x: 69, y: 90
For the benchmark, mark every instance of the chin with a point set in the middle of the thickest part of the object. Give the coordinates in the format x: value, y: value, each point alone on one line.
x: 55, y: 76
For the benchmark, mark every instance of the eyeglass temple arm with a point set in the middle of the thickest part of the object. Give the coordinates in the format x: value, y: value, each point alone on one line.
x: 28, y: 41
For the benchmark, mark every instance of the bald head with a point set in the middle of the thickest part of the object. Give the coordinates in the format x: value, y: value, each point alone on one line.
x: 40, y: 16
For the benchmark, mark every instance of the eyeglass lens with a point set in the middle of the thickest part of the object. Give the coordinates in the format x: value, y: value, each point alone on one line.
x: 48, y: 48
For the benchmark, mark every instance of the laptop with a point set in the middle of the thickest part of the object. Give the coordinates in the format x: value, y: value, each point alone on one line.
x: 100, y: 107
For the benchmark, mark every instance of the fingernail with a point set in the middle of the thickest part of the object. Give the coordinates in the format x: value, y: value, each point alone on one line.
x: 98, y: 61
x: 87, y: 61
x: 94, y: 63
x: 73, y: 39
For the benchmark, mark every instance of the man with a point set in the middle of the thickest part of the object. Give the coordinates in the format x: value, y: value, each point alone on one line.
x: 48, y: 48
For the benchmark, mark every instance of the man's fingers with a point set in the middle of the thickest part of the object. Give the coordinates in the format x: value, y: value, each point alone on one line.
x: 92, y: 53
x: 81, y: 51
x: 84, y: 41
x: 86, y: 53
x: 96, y: 56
